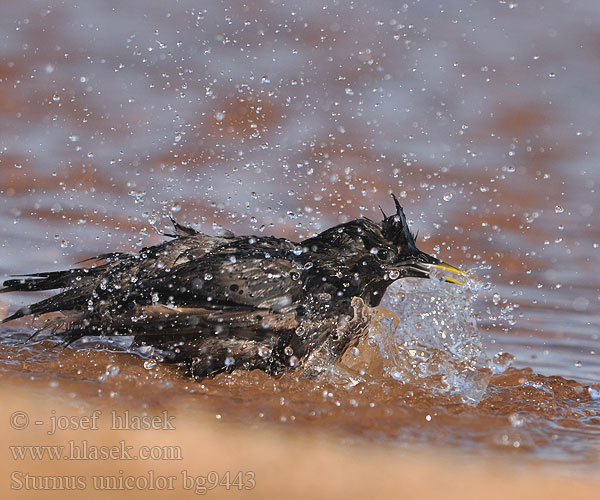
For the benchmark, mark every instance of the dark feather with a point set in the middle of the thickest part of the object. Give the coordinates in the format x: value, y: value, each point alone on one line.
x: 216, y: 303
x: 395, y: 229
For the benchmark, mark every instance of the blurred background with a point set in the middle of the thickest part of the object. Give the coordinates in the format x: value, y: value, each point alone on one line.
x: 285, y: 118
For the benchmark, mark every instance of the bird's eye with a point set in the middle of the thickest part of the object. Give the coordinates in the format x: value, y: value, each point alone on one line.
x: 382, y: 255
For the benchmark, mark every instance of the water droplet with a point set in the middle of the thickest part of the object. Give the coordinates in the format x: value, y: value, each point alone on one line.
x: 208, y: 277
x: 112, y: 370
x: 558, y: 209
x: 176, y: 207
x: 501, y: 361
x: 264, y: 352
x: 219, y: 115
x: 149, y: 363
x: 56, y: 98
x: 265, y: 80
x: 516, y: 420
x: 288, y: 350
x: 447, y: 196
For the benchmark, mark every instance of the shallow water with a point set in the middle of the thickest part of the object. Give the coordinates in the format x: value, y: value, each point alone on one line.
x: 280, y: 119
x: 407, y: 388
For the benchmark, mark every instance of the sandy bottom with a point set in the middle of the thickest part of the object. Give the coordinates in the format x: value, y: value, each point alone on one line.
x: 272, y: 462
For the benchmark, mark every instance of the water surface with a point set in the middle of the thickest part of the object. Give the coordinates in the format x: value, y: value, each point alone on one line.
x: 273, y: 118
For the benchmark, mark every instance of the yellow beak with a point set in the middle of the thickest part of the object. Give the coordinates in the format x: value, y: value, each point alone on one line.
x: 451, y: 269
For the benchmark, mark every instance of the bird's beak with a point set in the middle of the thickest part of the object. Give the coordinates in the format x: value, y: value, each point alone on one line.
x: 444, y: 266
x: 423, y: 265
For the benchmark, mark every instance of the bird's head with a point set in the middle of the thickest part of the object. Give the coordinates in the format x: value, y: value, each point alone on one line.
x: 383, y: 253
x: 400, y: 253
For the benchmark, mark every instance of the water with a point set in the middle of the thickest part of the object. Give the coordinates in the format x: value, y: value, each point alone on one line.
x: 476, y: 115
x: 421, y: 373
x: 436, y: 343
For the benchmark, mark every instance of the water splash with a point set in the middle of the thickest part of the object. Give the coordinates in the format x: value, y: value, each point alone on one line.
x: 436, y: 344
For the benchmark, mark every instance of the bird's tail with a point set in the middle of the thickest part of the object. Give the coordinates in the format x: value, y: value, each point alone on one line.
x: 66, y: 300
x: 74, y: 283
x: 43, y: 281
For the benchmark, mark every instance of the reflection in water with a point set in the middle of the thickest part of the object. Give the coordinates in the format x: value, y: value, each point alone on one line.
x: 271, y: 118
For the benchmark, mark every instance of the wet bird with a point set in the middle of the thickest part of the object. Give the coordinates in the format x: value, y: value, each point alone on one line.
x: 213, y: 304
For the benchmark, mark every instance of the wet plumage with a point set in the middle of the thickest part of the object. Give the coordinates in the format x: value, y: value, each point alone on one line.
x: 217, y: 303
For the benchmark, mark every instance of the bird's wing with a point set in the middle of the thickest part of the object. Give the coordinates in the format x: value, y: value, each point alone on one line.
x: 188, y: 286
x: 229, y: 281
x: 245, y: 296
x: 197, y: 315
x: 111, y: 281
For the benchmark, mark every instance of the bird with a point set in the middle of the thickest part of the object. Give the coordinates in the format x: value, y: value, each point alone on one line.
x: 214, y: 304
